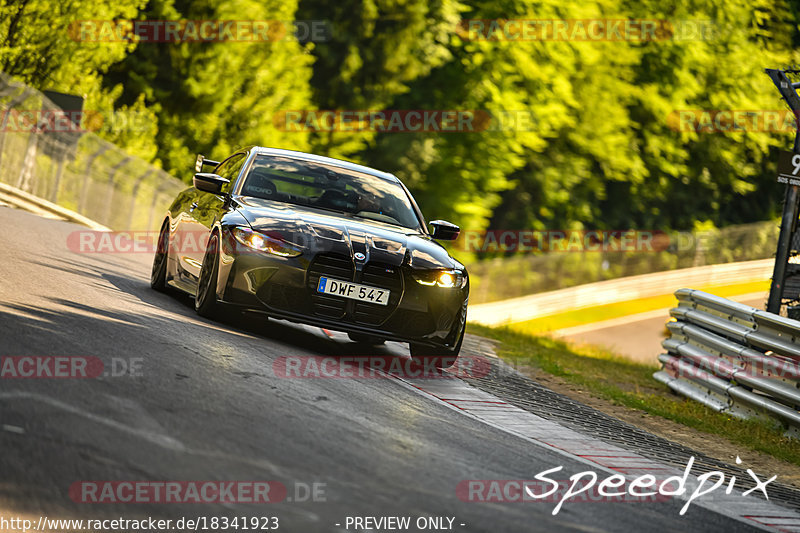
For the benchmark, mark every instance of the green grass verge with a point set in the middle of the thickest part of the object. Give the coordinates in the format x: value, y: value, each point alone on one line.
x: 630, y: 384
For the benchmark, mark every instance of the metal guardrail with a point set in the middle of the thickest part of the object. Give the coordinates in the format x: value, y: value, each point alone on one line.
x: 77, y: 170
x: 733, y: 358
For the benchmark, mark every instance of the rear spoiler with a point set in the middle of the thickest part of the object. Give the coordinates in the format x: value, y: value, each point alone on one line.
x: 203, y: 162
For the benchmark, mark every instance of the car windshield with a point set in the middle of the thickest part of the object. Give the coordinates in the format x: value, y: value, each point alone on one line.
x: 313, y: 184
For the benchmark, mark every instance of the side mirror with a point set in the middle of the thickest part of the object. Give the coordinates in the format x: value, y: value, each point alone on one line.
x: 201, y: 162
x: 207, y: 182
x: 444, y: 230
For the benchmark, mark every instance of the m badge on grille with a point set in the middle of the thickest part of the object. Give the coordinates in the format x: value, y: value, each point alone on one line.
x: 359, y: 256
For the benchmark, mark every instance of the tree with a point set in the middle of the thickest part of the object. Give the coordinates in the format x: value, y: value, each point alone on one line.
x: 213, y: 97
x: 53, y: 45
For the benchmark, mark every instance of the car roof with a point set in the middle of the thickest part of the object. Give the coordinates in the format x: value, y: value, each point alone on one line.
x: 325, y: 160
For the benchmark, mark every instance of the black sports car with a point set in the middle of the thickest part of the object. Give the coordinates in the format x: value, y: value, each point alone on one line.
x: 319, y: 241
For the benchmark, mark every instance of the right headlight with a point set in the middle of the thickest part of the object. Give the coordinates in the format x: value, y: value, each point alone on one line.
x: 449, y: 279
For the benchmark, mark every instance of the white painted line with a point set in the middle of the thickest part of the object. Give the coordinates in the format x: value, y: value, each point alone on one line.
x: 776, y: 521
x: 156, y: 438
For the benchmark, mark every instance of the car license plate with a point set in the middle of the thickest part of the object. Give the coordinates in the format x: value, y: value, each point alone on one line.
x: 354, y: 291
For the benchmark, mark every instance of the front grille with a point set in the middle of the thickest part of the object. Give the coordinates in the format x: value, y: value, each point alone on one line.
x: 384, y: 277
x: 334, y: 266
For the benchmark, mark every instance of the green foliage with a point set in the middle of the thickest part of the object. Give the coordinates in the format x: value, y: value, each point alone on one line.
x: 213, y: 97
x: 601, y: 150
x: 40, y: 44
x: 377, y: 50
x: 614, y: 161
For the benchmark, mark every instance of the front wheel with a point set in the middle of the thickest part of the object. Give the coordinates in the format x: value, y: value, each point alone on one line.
x: 439, y: 356
x: 205, y: 302
x: 158, y: 276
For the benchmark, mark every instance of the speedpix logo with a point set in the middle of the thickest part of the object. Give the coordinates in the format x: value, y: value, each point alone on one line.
x: 589, y: 487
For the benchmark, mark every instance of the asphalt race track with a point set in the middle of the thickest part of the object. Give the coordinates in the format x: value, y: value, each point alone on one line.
x: 205, y: 404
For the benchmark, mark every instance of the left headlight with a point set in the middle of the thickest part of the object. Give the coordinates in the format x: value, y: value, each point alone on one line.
x: 264, y: 243
x: 449, y: 279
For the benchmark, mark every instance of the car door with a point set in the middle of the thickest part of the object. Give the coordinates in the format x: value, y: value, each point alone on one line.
x: 205, y: 210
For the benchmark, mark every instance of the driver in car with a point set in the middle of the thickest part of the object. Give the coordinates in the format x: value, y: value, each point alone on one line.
x: 368, y: 203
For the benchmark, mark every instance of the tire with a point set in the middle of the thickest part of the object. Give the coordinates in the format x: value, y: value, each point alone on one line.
x: 439, y: 356
x: 158, y: 275
x: 361, y: 338
x: 205, y: 301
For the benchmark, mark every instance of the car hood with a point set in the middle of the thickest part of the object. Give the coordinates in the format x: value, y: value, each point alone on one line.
x: 317, y: 231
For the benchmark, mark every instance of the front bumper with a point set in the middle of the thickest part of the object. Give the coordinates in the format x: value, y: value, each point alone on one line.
x: 286, y: 288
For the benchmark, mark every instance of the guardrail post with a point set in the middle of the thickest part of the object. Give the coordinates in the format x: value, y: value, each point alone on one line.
x: 87, y: 178
x: 136, y: 186
x: 153, y: 205
x: 28, y: 169
x: 110, y: 196
x: 788, y: 227
x: 21, y: 97
x: 791, y: 196
x: 59, y: 173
